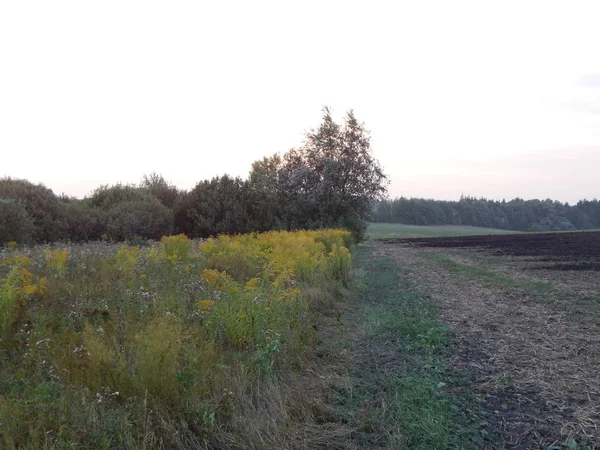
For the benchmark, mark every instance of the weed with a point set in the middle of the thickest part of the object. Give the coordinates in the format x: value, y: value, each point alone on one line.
x: 157, y: 346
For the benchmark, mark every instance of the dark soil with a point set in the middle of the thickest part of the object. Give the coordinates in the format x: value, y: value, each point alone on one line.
x: 532, y: 357
x: 566, y: 251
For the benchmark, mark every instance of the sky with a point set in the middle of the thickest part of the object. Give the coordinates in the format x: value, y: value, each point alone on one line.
x: 483, y: 98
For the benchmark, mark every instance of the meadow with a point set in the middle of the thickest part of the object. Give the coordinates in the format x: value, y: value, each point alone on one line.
x: 287, y: 340
x: 176, y: 344
x: 398, y: 230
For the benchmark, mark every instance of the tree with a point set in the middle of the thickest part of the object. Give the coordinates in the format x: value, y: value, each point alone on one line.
x: 15, y: 223
x: 156, y: 185
x: 213, y: 207
x: 333, y: 179
x: 265, y: 196
x: 41, y: 204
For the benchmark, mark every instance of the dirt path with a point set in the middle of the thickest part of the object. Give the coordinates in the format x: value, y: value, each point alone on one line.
x: 534, y: 363
x: 380, y: 378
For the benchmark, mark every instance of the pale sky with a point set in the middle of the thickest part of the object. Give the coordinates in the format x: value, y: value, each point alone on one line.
x: 487, y: 98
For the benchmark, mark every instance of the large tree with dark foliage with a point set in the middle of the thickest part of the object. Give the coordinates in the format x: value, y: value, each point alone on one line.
x: 333, y: 178
x: 213, y: 207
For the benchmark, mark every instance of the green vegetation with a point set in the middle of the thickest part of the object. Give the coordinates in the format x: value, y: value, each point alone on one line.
x: 488, y: 277
x: 416, y: 405
x: 516, y: 214
x: 398, y: 230
x: 330, y: 181
x: 178, y: 344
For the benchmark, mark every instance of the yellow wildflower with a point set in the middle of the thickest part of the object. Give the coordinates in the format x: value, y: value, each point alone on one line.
x: 252, y: 284
x: 211, y: 275
x: 205, y: 305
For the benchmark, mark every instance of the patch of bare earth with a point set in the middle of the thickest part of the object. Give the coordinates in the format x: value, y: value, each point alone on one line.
x: 534, y: 357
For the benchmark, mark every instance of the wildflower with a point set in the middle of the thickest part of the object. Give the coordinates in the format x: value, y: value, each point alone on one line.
x: 205, y: 305
x: 252, y: 284
x: 176, y: 247
x: 211, y: 275
x: 56, y: 259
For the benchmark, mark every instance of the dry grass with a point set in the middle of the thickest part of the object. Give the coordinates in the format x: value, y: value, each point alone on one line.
x: 534, y: 357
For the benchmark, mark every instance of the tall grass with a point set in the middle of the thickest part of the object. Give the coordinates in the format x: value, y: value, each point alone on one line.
x: 171, y: 345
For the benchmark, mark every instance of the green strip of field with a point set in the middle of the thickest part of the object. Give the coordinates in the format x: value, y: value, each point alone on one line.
x: 488, y: 277
x: 399, y: 230
x: 416, y: 388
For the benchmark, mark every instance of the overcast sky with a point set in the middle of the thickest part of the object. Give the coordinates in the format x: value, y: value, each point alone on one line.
x: 497, y: 99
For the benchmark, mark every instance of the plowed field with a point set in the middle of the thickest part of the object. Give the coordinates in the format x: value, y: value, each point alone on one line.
x: 561, y: 251
x: 524, y: 311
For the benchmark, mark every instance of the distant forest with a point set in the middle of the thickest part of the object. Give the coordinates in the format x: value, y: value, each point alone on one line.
x: 332, y: 180
x: 516, y: 214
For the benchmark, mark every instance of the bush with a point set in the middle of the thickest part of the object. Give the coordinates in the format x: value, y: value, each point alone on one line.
x: 82, y: 221
x: 214, y: 207
x: 146, y: 218
x: 15, y: 224
x: 126, y: 212
x: 45, y: 209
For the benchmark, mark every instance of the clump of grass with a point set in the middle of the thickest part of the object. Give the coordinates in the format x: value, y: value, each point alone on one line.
x: 160, y: 346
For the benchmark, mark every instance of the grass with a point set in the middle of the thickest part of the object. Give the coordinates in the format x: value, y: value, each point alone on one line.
x: 489, y: 278
x: 398, y: 230
x: 412, y: 394
x: 180, y: 344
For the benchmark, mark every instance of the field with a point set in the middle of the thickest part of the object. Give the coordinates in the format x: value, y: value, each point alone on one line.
x: 398, y: 230
x: 524, y: 312
x: 287, y: 340
x: 171, y: 345
x: 558, y: 251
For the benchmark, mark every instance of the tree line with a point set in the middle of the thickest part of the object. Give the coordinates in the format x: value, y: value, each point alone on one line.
x: 331, y: 180
x: 516, y: 214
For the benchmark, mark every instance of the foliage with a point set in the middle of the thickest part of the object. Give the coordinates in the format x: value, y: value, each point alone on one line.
x: 41, y: 207
x: 517, y: 214
x: 116, y: 346
x: 157, y: 186
x: 83, y: 221
x: 126, y: 212
x: 15, y: 223
x: 214, y: 207
x: 266, y: 208
x: 176, y: 247
x: 18, y: 286
x: 56, y: 260
x: 330, y: 181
